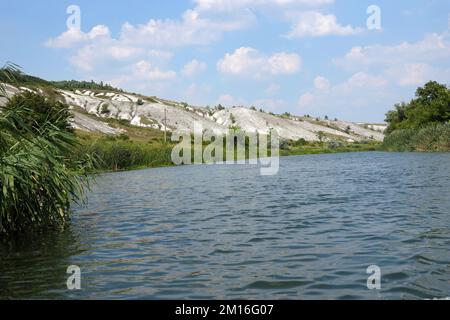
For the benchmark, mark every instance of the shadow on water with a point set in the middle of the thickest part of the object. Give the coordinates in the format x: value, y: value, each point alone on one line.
x: 35, y: 264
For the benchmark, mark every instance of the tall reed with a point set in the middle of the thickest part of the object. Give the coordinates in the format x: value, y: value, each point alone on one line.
x: 38, y: 179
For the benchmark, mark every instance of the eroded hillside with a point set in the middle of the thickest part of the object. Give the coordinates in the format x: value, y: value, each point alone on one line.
x: 91, y: 108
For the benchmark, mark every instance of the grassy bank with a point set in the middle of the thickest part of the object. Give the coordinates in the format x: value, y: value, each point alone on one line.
x: 148, y: 150
x: 432, y: 138
x: 122, y: 153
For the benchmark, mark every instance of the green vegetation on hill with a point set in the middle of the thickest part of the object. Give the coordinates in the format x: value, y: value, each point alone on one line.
x: 423, y: 124
x: 16, y: 77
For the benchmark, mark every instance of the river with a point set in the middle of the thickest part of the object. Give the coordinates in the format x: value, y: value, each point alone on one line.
x: 226, y: 232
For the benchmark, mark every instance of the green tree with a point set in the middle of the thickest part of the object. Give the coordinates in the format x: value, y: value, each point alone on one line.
x: 431, y: 105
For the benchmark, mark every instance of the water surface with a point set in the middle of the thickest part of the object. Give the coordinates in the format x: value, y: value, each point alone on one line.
x: 201, y: 232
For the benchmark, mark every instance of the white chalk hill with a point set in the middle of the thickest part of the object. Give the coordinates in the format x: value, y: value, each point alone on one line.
x: 90, y: 108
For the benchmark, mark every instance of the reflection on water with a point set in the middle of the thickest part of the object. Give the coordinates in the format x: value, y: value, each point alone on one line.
x: 203, y: 232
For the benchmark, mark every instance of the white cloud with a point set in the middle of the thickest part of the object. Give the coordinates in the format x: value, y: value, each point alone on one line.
x: 160, y: 54
x: 228, y: 100
x: 351, y: 98
x: 196, y: 94
x: 144, y: 70
x: 405, y: 64
x: 322, y: 83
x: 93, y: 55
x: 360, y: 80
x: 192, y: 29
x: 232, y: 5
x: 249, y: 62
x: 305, y: 99
x: 432, y: 47
x: 358, y: 83
x: 413, y: 74
x: 74, y: 36
x: 93, y: 50
x: 193, y: 67
x: 141, y: 73
x: 316, y: 24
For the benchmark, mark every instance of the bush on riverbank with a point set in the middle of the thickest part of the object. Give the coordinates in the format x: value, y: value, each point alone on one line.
x: 435, y: 137
x: 38, y: 178
x: 422, y: 124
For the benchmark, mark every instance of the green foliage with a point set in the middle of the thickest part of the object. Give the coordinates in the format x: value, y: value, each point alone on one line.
x: 105, y: 109
x: 35, y: 111
x: 334, y: 145
x: 423, y: 123
x: 121, y: 154
x: 321, y: 136
x: 300, y: 142
x: 15, y: 76
x: 434, y: 137
x: 431, y: 105
x: 38, y: 177
x: 232, y: 119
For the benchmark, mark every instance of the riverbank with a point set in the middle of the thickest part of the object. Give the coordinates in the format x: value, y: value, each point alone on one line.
x: 148, y: 150
x: 432, y: 138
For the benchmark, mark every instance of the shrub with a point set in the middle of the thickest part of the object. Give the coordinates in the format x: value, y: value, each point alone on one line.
x: 300, y: 142
x: 334, y: 145
x: 31, y: 111
x: 105, y: 109
x: 434, y: 137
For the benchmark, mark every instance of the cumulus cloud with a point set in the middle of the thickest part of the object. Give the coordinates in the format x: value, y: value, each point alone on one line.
x: 249, y: 62
x: 322, y: 83
x: 228, y: 100
x: 305, y: 99
x: 94, y: 49
x: 193, y: 67
x: 192, y: 29
x: 316, y: 24
x: 415, y: 74
x: 357, y: 83
x: 431, y: 48
x: 160, y: 54
x: 352, y: 97
x: 404, y: 64
x: 232, y: 5
x: 92, y: 55
x: 74, y: 36
x: 142, y: 72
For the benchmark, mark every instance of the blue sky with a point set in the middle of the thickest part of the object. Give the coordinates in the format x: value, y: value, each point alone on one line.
x: 313, y: 57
